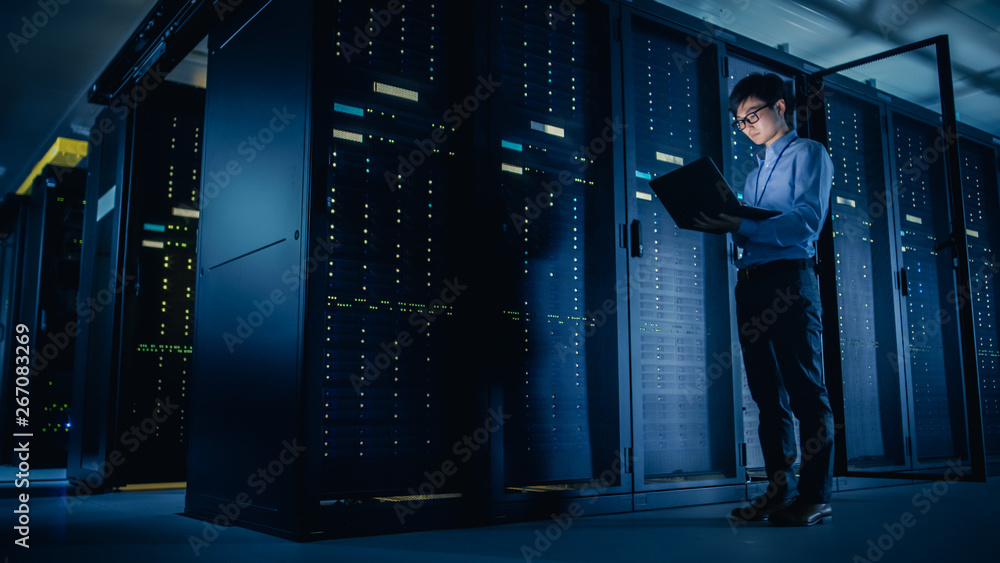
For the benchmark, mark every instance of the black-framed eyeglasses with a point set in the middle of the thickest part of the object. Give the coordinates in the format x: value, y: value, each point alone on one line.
x: 750, y: 119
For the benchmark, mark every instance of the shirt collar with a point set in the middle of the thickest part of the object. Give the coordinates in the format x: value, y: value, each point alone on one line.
x: 779, y: 145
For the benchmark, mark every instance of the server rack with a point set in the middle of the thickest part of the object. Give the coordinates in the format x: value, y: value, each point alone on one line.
x: 867, y: 300
x: 45, y: 290
x: 941, y: 431
x: 930, y: 312
x: 136, y: 316
x: 553, y: 136
x: 684, y: 353
x: 333, y: 367
x: 980, y: 186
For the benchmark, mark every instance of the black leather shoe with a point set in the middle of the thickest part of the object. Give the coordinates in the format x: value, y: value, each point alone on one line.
x: 802, y: 514
x: 760, y: 508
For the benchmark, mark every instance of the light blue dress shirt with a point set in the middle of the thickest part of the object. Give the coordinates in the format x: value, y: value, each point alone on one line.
x: 798, y: 185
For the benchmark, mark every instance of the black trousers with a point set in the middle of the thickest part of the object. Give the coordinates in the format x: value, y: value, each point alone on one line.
x: 781, y: 329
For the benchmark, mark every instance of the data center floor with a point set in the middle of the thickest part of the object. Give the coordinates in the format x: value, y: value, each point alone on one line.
x: 946, y: 522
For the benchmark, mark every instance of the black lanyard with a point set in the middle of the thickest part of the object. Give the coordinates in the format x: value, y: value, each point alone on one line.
x: 760, y: 193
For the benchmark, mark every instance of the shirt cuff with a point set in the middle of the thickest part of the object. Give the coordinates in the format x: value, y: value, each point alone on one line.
x: 748, y: 227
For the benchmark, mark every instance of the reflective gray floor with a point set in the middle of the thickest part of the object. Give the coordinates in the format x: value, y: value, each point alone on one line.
x: 947, y: 522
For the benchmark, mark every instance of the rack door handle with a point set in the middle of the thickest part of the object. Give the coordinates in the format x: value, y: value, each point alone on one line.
x: 636, y: 243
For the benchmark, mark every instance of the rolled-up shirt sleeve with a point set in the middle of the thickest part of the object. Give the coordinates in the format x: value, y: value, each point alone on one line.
x: 812, y: 175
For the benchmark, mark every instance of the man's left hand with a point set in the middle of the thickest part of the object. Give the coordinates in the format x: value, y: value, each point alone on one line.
x: 723, y: 224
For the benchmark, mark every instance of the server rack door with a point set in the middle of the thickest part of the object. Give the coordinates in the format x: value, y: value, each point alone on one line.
x: 862, y: 213
x: 392, y: 117
x: 742, y: 160
x: 93, y: 435
x: 930, y: 308
x: 156, y: 332
x: 556, y: 374
x: 980, y: 186
x: 680, y: 298
x: 51, y: 279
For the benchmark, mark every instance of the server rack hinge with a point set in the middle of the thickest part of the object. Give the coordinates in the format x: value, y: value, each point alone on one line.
x: 616, y: 28
x: 622, y: 235
x: 628, y: 460
x: 743, y: 454
x: 908, y: 447
x: 725, y: 67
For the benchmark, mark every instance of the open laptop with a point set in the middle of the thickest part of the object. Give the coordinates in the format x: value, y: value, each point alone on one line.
x: 697, y: 187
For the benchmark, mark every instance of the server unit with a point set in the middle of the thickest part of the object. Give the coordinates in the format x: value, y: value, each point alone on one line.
x: 132, y: 385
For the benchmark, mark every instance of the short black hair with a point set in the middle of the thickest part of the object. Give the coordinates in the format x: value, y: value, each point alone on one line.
x: 768, y: 88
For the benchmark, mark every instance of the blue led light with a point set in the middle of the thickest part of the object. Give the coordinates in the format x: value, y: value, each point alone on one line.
x: 511, y: 146
x: 343, y: 108
x: 643, y: 175
x: 154, y: 227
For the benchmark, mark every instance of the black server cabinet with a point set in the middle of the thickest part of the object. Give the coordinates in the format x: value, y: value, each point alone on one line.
x: 930, y: 311
x: 867, y: 300
x: 333, y: 379
x: 132, y: 386
x: 903, y: 401
x: 48, y: 264
x: 982, y: 212
x: 684, y: 351
x: 554, y: 135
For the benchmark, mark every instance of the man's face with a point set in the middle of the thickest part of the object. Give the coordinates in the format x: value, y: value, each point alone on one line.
x: 769, y: 121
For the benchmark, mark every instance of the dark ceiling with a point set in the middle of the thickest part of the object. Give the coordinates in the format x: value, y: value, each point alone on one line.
x: 49, y: 61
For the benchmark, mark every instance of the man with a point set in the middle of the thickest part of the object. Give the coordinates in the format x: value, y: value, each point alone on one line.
x: 778, y: 306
